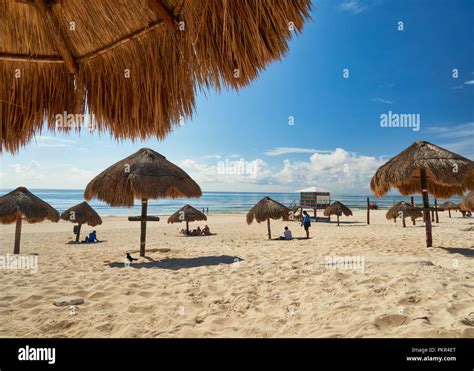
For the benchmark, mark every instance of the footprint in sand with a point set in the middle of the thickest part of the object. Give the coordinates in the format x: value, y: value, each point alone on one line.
x: 387, y: 321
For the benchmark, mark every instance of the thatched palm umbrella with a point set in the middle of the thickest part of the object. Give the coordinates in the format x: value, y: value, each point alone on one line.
x: 426, y: 169
x: 337, y: 208
x: 403, y: 210
x: 21, y: 202
x: 267, y: 209
x: 187, y: 214
x: 134, y: 65
x: 144, y: 175
x: 467, y: 203
x: 449, y: 205
x: 81, y: 214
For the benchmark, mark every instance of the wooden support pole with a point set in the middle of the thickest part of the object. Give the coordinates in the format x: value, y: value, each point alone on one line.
x: 56, y: 35
x: 16, y: 248
x: 143, y: 227
x: 187, y: 228
x: 368, y: 211
x: 412, y: 203
x: 403, y: 217
x: 449, y: 213
x: 338, y: 220
x: 162, y: 11
x: 426, y: 205
x: 269, y: 231
x: 78, y: 232
x: 436, y: 212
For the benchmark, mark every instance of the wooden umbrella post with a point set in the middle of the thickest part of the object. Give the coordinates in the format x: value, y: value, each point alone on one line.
x: 403, y: 217
x: 426, y: 206
x: 368, y: 211
x: 412, y: 203
x: 143, y: 227
x: 436, y: 212
x: 78, y: 232
x: 269, y: 231
x: 449, y: 213
x: 16, y: 249
x: 187, y: 228
x: 338, y: 220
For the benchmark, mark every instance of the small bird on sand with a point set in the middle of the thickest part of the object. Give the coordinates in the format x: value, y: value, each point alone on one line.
x: 130, y: 259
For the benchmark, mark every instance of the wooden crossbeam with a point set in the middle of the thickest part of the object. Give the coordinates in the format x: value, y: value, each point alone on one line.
x: 56, y: 35
x: 162, y: 10
x: 139, y: 218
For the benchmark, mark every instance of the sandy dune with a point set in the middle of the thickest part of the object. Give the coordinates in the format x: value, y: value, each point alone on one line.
x: 238, y: 284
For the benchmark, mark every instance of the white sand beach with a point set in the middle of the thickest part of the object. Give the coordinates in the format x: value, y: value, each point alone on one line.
x: 239, y: 284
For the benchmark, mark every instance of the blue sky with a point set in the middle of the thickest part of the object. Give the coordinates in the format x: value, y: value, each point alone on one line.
x: 244, y: 141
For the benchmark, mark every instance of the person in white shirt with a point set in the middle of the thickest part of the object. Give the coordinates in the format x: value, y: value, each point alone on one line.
x: 287, y: 234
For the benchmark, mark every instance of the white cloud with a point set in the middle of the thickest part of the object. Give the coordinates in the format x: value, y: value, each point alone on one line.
x: 286, y: 150
x: 381, y: 100
x: 353, y: 6
x: 52, y: 142
x: 338, y: 171
x: 459, y: 138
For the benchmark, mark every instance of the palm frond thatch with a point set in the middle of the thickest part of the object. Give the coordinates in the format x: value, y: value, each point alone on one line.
x: 266, y: 209
x: 447, y: 173
x: 467, y: 203
x: 187, y: 214
x: 449, y: 205
x: 403, y: 209
x: 337, y: 208
x: 22, y: 202
x: 82, y: 213
x: 134, y: 65
x: 144, y: 175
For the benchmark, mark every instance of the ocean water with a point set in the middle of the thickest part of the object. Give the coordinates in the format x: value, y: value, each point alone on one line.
x: 217, y: 202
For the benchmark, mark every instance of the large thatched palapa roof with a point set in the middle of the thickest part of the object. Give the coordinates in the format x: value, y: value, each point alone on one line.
x: 403, y: 209
x: 134, y: 65
x: 82, y: 213
x: 187, y: 214
x: 447, y: 173
x: 449, y: 205
x: 337, y: 208
x: 266, y: 209
x: 467, y: 203
x: 24, y: 203
x: 144, y: 175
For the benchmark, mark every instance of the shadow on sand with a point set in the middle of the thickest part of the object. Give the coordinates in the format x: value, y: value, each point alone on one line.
x: 180, y: 263
x: 467, y: 252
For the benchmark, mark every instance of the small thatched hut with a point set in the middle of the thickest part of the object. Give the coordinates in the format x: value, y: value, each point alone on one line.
x: 134, y: 65
x: 21, y: 202
x: 187, y: 214
x: 467, y: 203
x: 337, y: 208
x: 449, y: 205
x: 267, y: 209
x: 426, y: 169
x: 144, y: 175
x: 81, y: 214
x: 404, y: 210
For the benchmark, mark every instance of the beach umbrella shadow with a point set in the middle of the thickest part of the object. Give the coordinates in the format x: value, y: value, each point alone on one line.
x: 467, y: 252
x: 180, y: 263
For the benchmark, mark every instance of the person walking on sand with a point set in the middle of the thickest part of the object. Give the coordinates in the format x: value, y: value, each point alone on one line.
x: 306, y: 223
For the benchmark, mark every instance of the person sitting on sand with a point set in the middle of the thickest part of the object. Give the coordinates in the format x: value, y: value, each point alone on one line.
x: 182, y: 232
x: 92, y: 237
x: 206, y: 231
x: 287, y: 235
x: 193, y: 233
x: 198, y: 231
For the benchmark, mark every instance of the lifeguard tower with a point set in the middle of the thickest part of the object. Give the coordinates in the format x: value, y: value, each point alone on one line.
x: 311, y: 198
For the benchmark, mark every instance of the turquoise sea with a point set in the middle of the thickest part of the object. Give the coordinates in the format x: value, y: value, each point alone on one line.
x: 217, y: 202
